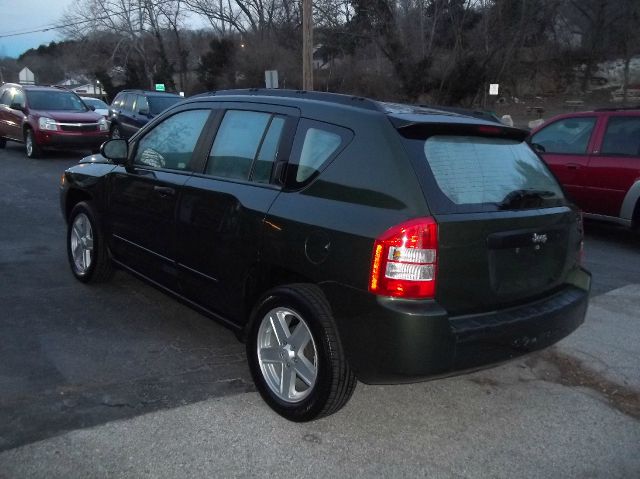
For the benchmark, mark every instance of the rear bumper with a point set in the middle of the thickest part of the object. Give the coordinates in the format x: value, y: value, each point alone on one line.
x: 395, y: 341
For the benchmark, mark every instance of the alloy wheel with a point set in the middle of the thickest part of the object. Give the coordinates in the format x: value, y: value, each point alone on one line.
x: 287, y: 355
x: 81, y: 243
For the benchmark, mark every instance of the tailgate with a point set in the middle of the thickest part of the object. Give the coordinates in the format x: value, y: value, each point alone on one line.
x: 505, y: 229
x: 490, y: 260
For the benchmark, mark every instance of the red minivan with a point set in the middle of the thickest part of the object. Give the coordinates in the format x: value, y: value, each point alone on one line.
x: 48, y: 117
x: 596, y: 157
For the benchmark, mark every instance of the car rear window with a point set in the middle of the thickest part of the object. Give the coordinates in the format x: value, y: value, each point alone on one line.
x: 472, y: 173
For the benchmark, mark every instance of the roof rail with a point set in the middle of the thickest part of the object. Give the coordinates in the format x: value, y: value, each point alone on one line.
x: 347, y: 100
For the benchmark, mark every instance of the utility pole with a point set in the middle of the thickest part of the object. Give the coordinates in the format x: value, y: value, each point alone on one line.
x: 307, y: 45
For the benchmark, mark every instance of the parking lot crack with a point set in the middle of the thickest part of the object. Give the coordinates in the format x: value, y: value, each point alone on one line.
x: 573, y: 373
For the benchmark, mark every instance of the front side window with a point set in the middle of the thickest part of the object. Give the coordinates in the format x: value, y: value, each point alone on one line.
x: 119, y: 100
x: 5, y: 99
x: 568, y: 136
x: 142, y: 105
x: 19, y: 98
x: 129, y: 100
x: 622, y: 136
x: 245, y: 146
x: 170, y: 144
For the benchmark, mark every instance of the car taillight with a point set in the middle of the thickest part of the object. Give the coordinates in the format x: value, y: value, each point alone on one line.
x: 405, y: 259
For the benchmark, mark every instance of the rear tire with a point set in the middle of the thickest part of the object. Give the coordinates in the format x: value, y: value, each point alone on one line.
x: 86, y: 246
x: 31, y: 144
x: 295, y: 355
x: 3, y: 142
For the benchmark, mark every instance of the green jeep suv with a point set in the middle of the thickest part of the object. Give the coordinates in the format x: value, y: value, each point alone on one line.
x: 341, y: 238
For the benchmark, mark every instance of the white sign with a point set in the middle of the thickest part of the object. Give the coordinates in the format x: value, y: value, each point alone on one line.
x: 26, y: 77
x: 271, y: 78
x: 493, y: 88
x: 182, y: 93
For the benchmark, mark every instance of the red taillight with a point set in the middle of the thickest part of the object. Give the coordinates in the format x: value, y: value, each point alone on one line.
x: 489, y: 130
x: 405, y: 258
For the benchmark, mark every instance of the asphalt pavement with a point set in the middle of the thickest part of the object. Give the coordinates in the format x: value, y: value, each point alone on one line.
x: 119, y: 380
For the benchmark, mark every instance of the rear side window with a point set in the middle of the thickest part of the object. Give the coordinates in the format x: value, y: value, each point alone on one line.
x: 569, y: 136
x: 246, y: 146
x: 478, y: 174
x: 315, y: 145
x: 622, y: 136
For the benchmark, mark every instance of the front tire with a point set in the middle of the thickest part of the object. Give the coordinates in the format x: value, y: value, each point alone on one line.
x: 31, y: 144
x: 86, y: 247
x: 295, y: 355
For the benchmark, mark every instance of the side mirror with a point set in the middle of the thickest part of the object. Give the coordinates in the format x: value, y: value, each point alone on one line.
x: 538, y: 148
x: 17, y: 106
x: 144, y: 111
x: 116, y: 149
x: 92, y: 108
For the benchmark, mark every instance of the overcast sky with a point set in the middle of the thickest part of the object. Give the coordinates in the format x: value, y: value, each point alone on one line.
x: 23, y: 15
x: 17, y: 16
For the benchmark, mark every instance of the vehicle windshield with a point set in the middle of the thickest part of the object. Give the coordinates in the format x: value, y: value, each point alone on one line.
x: 97, y: 104
x: 158, y: 104
x: 473, y: 173
x: 55, y: 100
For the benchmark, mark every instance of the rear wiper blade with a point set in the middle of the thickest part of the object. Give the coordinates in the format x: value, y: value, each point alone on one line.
x: 520, y: 196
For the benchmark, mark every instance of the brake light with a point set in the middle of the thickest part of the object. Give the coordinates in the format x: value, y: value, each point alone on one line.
x: 489, y: 130
x: 405, y: 258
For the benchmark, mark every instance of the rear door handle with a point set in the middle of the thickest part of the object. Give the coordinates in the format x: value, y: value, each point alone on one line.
x: 573, y: 166
x: 164, y: 191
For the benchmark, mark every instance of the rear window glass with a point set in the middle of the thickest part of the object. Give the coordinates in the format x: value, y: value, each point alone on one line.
x: 481, y: 174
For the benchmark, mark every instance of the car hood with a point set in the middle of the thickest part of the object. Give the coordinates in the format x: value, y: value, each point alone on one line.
x: 69, y: 116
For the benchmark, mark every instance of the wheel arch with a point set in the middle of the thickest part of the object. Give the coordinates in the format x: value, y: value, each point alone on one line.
x: 630, y: 209
x: 73, y: 197
x: 262, y: 278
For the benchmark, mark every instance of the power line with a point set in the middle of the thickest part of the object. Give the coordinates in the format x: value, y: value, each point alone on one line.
x: 57, y: 26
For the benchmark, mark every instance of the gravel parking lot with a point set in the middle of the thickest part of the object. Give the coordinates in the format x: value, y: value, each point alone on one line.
x: 121, y: 381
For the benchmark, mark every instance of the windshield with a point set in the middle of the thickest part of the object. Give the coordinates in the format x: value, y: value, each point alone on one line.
x: 158, y: 104
x: 55, y: 100
x: 486, y: 174
x: 97, y: 104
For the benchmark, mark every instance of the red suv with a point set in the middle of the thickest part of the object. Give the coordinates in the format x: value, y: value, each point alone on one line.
x: 596, y: 157
x: 48, y: 117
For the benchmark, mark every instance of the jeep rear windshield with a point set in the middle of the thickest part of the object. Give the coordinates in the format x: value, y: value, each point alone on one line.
x: 466, y: 174
x: 55, y: 101
x: 157, y: 104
